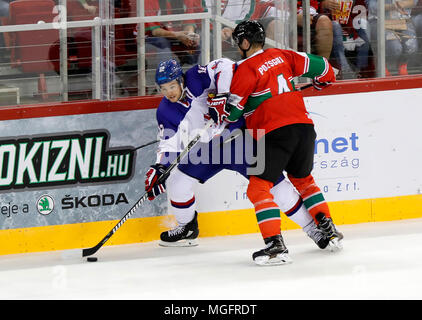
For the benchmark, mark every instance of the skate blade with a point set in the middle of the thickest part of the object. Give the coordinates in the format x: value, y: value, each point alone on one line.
x: 180, y: 243
x: 279, y: 259
x: 335, y: 245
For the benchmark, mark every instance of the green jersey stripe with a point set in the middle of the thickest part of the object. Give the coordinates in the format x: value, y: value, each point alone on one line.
x: 317, y: 66
x: 313, y: 200
x: 268, y: 214
x: 255, y: 101
x: 235, y: 113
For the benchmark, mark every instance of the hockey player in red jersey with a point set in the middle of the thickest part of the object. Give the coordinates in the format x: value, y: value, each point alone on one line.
x: 262, y: 90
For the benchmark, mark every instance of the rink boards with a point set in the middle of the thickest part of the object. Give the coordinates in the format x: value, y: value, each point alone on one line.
x: 69, y: 172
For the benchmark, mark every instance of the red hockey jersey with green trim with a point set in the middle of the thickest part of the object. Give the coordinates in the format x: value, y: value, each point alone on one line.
x: 262, y: 89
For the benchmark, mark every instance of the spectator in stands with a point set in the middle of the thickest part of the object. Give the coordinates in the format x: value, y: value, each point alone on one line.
x: 264, y: 11
x: 401, y: 42
x: 179, y: 38
x: 321, y: 30
x: 417, y: 21
x: 92, y: 9
x: 234, y: 11
x: 4, y: 8
x: 350, y: 37
x: 92, y: 6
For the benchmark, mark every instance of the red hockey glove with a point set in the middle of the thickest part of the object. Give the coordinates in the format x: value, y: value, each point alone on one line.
x: 218, y: 108
x: 152, y: 176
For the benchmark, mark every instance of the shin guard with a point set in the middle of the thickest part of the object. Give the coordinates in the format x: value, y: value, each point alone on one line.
x: 312, y: 196
x: 266, y: 210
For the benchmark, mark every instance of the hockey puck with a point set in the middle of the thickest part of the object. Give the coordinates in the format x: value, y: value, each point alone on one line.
x: 92, y: 259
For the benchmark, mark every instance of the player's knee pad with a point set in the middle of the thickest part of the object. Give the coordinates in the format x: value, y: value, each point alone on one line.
x: 259, y: 190
x: 312, y: 196
x: 285, y: 195
x: 180, y: 188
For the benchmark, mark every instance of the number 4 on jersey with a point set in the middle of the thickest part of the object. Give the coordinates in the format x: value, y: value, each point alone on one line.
x: 282, y: 84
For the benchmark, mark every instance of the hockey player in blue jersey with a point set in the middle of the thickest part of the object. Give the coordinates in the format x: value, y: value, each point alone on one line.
x: 183, y: 110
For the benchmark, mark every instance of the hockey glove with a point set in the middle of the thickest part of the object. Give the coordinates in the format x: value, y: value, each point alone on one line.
x: 218, y: 108
x: 320, y: 85
x: 326, y: 79
x: 152, y: 176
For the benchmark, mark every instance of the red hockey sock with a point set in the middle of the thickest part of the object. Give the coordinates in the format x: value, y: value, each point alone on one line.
x: 266, y: 210
x: 312, y: 196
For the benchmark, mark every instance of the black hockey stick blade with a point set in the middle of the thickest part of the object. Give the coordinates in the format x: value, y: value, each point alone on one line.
x: 305, y: 87
x: 90, y: 251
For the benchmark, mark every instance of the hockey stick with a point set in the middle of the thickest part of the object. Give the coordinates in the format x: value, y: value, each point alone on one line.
x: 192, y: 143
x: 146, y: 144
x: 305, y: 86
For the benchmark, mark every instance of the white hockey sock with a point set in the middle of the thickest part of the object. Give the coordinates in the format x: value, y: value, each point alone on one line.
x: 300, y: 215
x: 180, y: 191
x: 183, y: 211
x: 287, y: 198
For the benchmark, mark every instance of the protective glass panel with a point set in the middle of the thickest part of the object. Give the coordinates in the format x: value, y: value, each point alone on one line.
x: 67, y: 50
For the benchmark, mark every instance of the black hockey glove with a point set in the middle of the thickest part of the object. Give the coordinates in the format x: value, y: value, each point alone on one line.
x: 320, y: 85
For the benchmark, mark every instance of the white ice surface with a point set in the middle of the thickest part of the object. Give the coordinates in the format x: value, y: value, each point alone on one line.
x: 379, y: 261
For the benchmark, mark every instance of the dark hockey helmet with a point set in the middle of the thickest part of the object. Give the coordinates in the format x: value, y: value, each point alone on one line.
x: 167, y: 71
x: 251, y: 30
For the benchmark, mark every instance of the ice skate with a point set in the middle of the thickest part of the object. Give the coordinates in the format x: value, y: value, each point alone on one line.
x: 317, y: 235
x: 181, y: 236
x: 335, y: 237
x: 274, y: 253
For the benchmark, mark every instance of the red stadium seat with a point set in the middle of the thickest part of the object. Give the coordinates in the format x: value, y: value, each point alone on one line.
x: 39, y: 51
x: 29, y: 6
x: 31, y: 47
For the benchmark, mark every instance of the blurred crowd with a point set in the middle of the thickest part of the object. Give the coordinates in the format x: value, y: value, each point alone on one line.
x: 343, y: 31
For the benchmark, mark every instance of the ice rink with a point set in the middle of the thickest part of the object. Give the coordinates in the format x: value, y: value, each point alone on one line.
x: 380, y: 260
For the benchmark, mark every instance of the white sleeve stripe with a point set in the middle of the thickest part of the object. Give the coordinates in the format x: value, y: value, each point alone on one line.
x: 256, y: 94
x: 240, y: 107
x: 325, y: 70
x: 306, y: 64
x: 306, y: 67
x: 188, y: 93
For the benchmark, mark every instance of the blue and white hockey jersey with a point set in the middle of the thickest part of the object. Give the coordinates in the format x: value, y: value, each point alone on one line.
x: 180, y: 121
